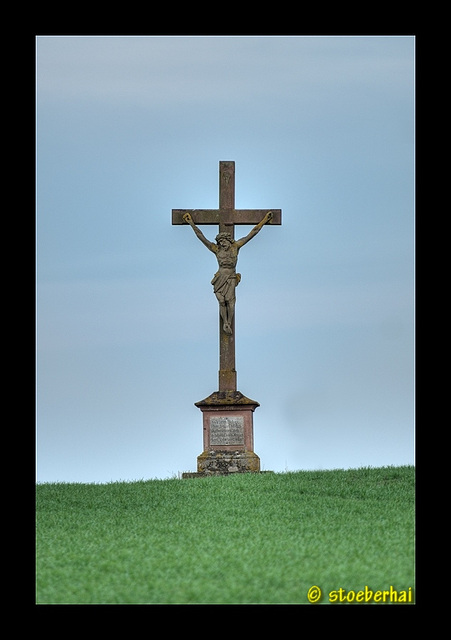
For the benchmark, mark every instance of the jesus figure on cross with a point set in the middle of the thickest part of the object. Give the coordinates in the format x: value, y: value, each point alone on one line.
x: 226, y: 279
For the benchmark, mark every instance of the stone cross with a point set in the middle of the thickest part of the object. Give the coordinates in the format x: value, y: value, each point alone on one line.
x: 226, y: 217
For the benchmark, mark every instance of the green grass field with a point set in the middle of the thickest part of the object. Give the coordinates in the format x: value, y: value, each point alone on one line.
x: 240, y: 539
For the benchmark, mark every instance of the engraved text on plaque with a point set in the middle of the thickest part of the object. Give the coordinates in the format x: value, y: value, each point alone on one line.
x: 226, y: 430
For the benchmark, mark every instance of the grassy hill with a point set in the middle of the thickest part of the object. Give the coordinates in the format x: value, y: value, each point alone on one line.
x: 241, y: 539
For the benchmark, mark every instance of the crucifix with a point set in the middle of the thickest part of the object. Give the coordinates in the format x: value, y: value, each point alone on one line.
x: 228, y: 431
x: 226, y: 250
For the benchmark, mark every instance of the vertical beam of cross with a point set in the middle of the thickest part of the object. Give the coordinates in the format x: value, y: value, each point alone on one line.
x: 226, y: 217
x: 227, y: 366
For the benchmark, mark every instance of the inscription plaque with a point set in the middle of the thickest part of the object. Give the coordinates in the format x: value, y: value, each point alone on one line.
x: 226, y: 430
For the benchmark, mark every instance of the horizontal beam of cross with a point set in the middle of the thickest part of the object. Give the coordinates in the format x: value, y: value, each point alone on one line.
x: 226, y: 216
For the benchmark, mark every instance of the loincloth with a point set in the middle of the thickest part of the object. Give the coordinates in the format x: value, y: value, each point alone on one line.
x: 225, y: 281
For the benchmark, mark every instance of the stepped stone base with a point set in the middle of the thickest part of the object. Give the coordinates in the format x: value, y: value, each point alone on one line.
x: 224, y: 463
x: 228, y: 435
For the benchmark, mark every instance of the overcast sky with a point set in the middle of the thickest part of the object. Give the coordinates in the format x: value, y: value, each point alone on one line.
x: 129, y: 128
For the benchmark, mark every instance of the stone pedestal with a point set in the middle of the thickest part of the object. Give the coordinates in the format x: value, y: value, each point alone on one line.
x: 228, y: 435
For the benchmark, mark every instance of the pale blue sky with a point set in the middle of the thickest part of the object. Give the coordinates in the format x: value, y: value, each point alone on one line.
x: 129, y: 128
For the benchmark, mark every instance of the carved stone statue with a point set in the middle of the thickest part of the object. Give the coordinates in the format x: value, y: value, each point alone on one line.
x: 226, y: 279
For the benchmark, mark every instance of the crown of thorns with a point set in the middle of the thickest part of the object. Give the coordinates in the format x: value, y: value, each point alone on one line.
x: 224, y: 235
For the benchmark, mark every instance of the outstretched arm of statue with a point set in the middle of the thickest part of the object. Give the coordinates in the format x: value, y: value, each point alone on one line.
x: 255, y: 230
x: 188, y: 219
